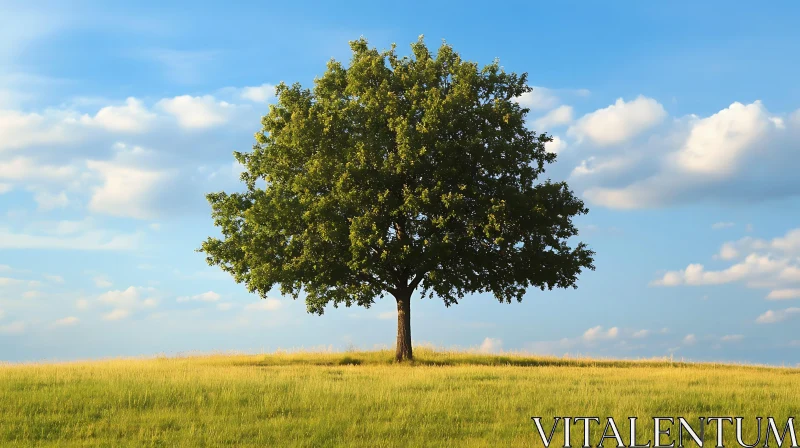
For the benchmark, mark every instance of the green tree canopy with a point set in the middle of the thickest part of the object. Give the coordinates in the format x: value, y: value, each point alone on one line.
x: 393, y: 174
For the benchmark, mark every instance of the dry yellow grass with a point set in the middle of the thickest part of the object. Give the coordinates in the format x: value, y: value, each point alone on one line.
x: 445, y: 399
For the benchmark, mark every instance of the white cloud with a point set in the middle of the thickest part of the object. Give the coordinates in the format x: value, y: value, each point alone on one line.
x: 741, y: 152
x: 5, y: 188
x: 783, y: 294
x: 81, y: 304
x: 53, y: 278
x: 7, y: 281
x: 195, y: 112
x: 117, y: 314
x: 264, y: 305
x: 126, y: 301
x: 49, y: 201
x: 386, y: 315
x: 556, y: 145
x: 20, y: 129
x: 597, y: 333
x: 618, y: 122
x: 259, y: 94
x: 26, y: 168
x: 722, y: 225
x: 62, y: 227
x: 641, y: 334
x: 560, y: 116
x: 771, y: 316
x: 13, y: 328
x: 67, y: 321
x: 31, y: 294
x: 209, y: 296
x: 727, y: 252
x: 126, y: 191
x: 772, y: 264
x: 593, y: 166
x: 491, y: 345
x: 91, y: 240
x: 102, y: 282
x: 717, y: 144
x: 690, y: 339
x: 132, y: 117
x: 732, y: 338
x: 538, y: 98
x: 695, y: 274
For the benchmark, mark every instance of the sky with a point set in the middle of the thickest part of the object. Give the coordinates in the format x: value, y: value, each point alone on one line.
x: 678, y: 123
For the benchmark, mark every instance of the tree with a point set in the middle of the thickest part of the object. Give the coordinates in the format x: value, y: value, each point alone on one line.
x: 393, y: 174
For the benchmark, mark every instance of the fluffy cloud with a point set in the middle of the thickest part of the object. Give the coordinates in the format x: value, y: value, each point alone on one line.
x: 125, y: 302
x: 556, y: 145
x: 784, y: 294
x: 26, y: 168
x: 771, y: 317
x: 559, y: 116
x: 732, y: 338
x: 49, y: 201
x: 195, y: 112
x: 128, y: 298
x: 102, y: 282
x: 538, y: 98
x: 741, y: 152
x: 759, y: 263
x: 13, y: 328
x: 67, y: 126
x: 259, y: 94
x: 387, y: 315
x: 593, y: 166
x: 618, y: 122
x: 753, y: 267
x: 132, y: 117
x: 6, y: 281
x: 597, y: 333
x: 126, y: 191
x: 717, y: 144
x: 264, y: 305
x: 54, y: 278
x: 89, y: 240
x: 117, y: 314
x: 67, y: 321
x: 209, y: 296
x: 690, y: 339
x: 491, y: 345
x: 20, y: 129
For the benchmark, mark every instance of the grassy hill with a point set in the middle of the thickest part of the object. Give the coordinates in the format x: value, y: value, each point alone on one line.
x: 362, y: 399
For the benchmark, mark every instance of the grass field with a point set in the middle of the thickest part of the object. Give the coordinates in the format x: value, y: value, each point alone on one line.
x: 444, y: 399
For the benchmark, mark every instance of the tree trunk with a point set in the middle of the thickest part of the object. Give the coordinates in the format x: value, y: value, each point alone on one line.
x: 404, y: 327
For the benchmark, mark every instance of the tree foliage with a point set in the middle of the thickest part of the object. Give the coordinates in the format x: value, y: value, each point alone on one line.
x: 396, y: 173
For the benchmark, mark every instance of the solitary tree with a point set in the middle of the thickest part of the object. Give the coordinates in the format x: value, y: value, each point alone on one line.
x: 393, y: 174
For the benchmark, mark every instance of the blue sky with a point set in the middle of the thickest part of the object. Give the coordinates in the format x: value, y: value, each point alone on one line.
x: 678, y: 123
